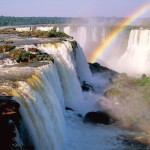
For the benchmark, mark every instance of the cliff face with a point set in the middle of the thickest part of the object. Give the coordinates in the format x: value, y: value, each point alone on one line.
x: 44, y: 78
x: 35, y: 118
x: 9, y: 124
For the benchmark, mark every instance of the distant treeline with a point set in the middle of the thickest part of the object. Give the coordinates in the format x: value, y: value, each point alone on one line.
x: 10, y: 21
x: 7, y: 21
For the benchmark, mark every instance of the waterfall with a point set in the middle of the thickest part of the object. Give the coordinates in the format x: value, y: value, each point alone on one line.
x: 65, y: 63
x: 94, y: 37
x: 44, y: 94
x: 137, y: 54
x: 41, y: 110
x: 67, y: 30
x: 44, y: 28
x: 82, y: 35
x: 83, y: 70
x: 89, y: 37
x: 103, y: 35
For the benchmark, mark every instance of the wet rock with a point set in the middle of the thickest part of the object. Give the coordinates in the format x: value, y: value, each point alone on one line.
x: 87, y: 87
x: 9, y: 137
x: 8, y: 107
x: 98, y: 117
x: 130, y: 143
x: 97, y: 68
x: 68, y: 108
x: 9, y: 123
x: 29, y: 148
x: 79, y: 115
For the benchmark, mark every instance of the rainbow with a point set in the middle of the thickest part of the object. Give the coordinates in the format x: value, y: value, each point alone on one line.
x: 122, y: 25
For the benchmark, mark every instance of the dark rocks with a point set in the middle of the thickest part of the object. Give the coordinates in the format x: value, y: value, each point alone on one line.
x: 96, y: 67
x: 87, y: 87
x: 68, y: 108
x: 98, y: 117
x: 9, y: 109
x: 28, y: 148
x: 8, y: 134
x: 9, y: 123
x: 79, y: 115
x: 131, y: 143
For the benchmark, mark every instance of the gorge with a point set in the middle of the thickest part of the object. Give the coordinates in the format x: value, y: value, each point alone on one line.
x: 43, y: 89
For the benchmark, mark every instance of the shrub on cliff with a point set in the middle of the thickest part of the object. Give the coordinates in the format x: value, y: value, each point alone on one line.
x: 6, y: 48
x: 20, y: 55
x: 45, y: 34
x: 25, y: 33
x: 74, y: 44
x: 8, y: 31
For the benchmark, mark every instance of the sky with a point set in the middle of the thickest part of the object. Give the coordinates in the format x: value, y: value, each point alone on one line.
x: 71, y: 8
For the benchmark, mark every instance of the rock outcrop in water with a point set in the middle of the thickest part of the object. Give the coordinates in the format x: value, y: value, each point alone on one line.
x: 87, y: 87
x: 97, y: 68
x: 98, y: 117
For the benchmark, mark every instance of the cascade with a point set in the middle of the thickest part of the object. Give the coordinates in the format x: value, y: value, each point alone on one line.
x: 103, y: 36
x: 44, y: 28
x: 66, y: 66
x: 94, y: 37
x: 137, y: 53
x: 82, y: 67
x: 44, y: 94
x: 87, y: 36
x: 90, y: 37
x: 41, y: 110
x: 67, y: 30
x: 82, y: 35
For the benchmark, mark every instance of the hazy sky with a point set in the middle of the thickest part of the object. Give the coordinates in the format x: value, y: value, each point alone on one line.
x: 73, y: 8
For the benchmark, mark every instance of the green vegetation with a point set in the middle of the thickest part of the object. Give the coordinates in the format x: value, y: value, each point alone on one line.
x: 7, y: 21
x: 144, y: 81
x: 113, y: 92
x: 25, y: 33
x: 6, y: 48
x: 45, y: 34
x: 32, y: 55
x: 74, y: 45
x: 129, y: 85
x: 34, y: 33
x: 8, y: 31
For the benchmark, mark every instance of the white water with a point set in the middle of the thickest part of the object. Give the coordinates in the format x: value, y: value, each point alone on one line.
x: 81, y: 136
x: 66, y: 66
x: 41, y: 109
x: 82, y: 67
x: 43, y: 98
x: 132, y: 50
x: 137, y: 55
x: 44, y: 28
x: 88, y: 37
x: 67, y: 30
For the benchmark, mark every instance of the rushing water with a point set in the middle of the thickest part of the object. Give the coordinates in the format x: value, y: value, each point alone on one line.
x: 41, y: 109
x: 137, y: 54
x: 45, y: 94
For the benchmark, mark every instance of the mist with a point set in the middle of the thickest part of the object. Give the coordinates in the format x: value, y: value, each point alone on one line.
x: 130, y: 107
